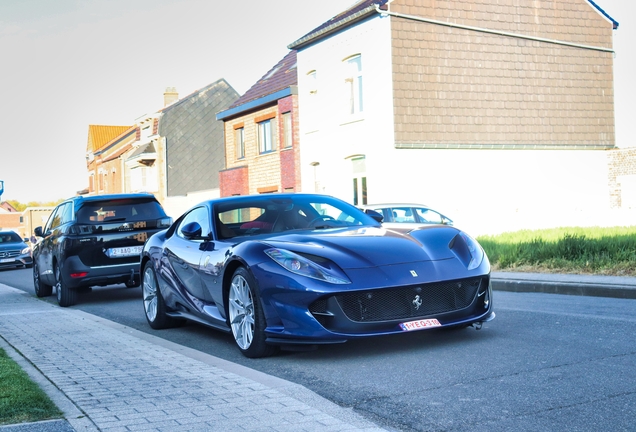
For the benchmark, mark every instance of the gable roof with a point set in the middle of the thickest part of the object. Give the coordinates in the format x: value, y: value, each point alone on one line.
x: 277, y: 78
x: 217, y: 86
x: 6, y: 207
x: 605, y: 14
x: 365, y: 8
x: 275, y: 84
x: 99, y: 136
x: 355, y: 13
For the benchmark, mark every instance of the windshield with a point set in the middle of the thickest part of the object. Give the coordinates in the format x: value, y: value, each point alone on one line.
x: 271, y: 214
x: 9, y: 237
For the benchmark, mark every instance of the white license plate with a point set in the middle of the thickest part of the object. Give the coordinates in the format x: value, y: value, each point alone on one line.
x: 420, y: 324
x: 6, y: 260
x: 124, y: 251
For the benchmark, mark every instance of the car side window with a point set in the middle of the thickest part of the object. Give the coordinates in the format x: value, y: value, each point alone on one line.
x: 198, y: 215
x: 403, y: 214
x: 54, y: 220
x: 429, y: 216
x: 66, y: 213
x: 387, y: 213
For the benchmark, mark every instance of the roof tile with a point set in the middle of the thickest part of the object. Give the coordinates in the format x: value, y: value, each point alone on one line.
x: 280, y: 77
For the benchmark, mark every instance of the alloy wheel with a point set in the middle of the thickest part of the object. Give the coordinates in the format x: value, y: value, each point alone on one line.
x: 241, y: 312
x: 150, y: 294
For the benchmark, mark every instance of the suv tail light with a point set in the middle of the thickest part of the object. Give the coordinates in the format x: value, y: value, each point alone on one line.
x: 164, y: 223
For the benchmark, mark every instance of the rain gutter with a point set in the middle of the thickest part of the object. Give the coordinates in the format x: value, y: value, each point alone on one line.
x: 257, y: 103
x: 496, y: 32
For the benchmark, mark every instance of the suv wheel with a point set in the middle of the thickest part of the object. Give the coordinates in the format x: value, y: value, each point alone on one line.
x: 65, y: 295
x: 41, y: 289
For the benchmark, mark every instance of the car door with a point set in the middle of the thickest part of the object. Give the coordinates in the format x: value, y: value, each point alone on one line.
x: 45, y: 248
x: 184, y: 255
x: 216, y: 254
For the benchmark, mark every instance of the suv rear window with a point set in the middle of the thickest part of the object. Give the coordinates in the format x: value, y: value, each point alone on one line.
x: 128, y: 210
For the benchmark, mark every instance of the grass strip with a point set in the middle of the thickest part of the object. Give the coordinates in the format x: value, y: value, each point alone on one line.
x: 594, y: 250
x: 22, y: 400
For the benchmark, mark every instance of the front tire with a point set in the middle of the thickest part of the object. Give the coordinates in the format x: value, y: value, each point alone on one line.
x: 154, y: 304
x: 246, y: 316
x: 65, y: 295
x: 41, y: 289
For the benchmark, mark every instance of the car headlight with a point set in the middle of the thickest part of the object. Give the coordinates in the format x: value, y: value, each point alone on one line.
x: 26, y: 250
x: 305, y: 267
x: 467, y: 250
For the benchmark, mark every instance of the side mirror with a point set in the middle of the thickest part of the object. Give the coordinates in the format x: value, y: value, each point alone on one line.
x: 375, y: 215
x: 38, y: 232
x: 191, y: 231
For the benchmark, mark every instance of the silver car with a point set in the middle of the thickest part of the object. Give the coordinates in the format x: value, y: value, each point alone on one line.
x: 14, y: 251
x: 407, y: 217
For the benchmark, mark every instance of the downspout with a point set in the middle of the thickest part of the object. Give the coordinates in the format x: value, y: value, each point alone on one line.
x: 484, y: 30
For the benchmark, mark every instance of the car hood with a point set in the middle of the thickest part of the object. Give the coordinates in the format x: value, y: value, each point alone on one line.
x: 370, y: 246
x: 13, y: 246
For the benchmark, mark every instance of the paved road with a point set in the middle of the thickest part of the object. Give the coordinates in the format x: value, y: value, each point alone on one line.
x: 548, y: 362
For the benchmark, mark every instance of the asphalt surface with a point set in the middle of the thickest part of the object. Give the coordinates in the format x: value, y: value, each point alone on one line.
x: 108, y: 377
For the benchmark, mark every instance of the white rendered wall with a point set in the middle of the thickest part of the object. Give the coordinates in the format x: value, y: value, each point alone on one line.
x: 340, y: 136
x: 484, y: 191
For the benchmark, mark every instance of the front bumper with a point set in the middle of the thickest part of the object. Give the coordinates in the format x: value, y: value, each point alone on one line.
x: 301, y: 311
x: 24, y: 260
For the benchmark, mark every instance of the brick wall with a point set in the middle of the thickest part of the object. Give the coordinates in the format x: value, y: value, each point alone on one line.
x: 620, y: 162
x: 271, y: 172
x: 458, y: 88
x: 234, y: 181
x: 290, y: 158
x: 11, y: 221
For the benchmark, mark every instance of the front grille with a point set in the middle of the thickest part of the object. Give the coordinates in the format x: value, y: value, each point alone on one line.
x: 9, y: 254
x: 411, y: 302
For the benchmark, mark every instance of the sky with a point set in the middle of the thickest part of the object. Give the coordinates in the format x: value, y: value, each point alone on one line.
x: 68, y: 64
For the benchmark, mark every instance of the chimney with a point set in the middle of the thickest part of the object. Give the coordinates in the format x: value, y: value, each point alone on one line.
x: 170, y: 96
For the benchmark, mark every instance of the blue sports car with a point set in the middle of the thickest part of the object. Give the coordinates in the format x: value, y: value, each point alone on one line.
x: 298, y: 270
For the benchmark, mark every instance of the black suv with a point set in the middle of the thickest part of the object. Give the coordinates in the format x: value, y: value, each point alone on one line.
x: 94, y: 241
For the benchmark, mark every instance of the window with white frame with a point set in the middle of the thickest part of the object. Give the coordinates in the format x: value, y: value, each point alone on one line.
x: 311, y: 103
x: 353, y: 84
x: 287, y: 130
x: 144, y: 179
x: 265, y: 136
x: 359, y: 168
x: 239, y: 140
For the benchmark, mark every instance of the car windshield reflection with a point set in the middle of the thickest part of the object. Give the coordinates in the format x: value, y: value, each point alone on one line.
x: 265, y: 215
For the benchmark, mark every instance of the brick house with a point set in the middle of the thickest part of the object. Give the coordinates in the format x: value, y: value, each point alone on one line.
x: 175, y: 153
x: 10, y: 218
x: 104, y: 148
x: 140, y: 161
x: 499, y: 114
x: 261, y: 135
x: 25, y: 221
